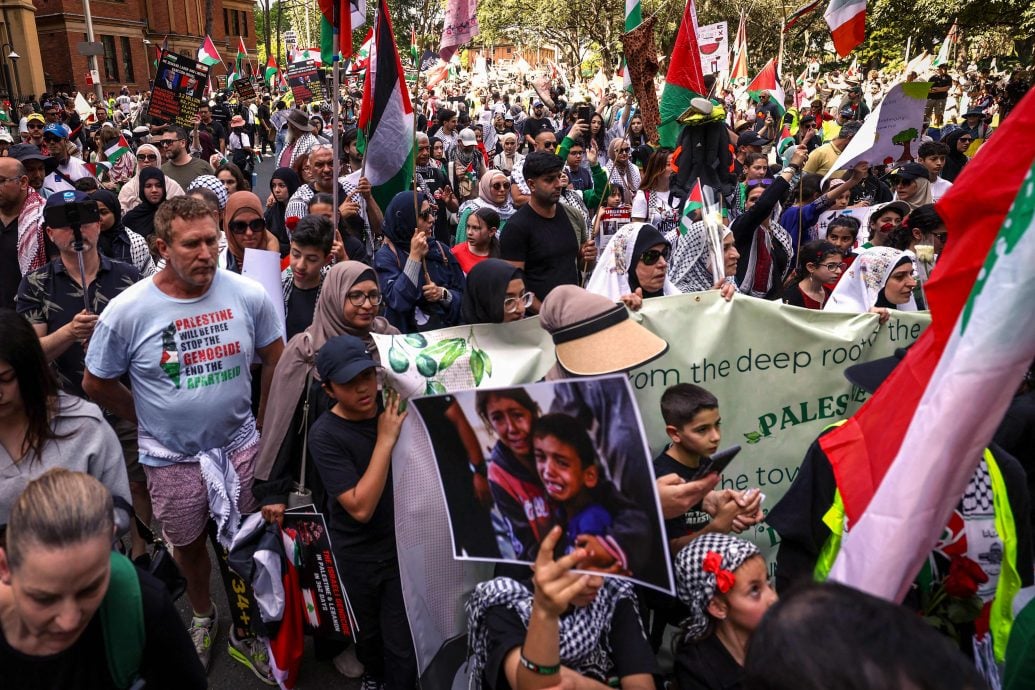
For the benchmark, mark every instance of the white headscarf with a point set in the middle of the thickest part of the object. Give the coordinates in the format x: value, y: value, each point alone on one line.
x: 611, y: 275
x: 860, y: 287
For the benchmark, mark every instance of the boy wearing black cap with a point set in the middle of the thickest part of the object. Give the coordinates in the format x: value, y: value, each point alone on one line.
x: 351, y: 446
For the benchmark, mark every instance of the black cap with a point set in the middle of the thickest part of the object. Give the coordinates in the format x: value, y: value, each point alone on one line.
x: 31, y: 152
x: 342, y: 359
x: 869, y: 375
x: 750, y: 138
x: 910, y: 171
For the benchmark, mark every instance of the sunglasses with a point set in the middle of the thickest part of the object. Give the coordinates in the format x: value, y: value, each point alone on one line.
x: 765, y: 182
x: 550, y: 145
x: 510, y: 305
x: 167, y: 142
x: 51, y: 113
x: 428, y: 214
x: 651, y: 256
x: 52, y: 140
x: 239, y: 227
x: 35, y: 125
x: 625, y: 150
x: 147, y: 157
x: 965, y: 140
x: 357, y: 297
x: 500, y: 186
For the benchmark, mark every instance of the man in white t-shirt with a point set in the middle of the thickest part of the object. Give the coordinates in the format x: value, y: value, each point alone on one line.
x: 931, y: 155
x: 69, y: 169
x: 186, y: 338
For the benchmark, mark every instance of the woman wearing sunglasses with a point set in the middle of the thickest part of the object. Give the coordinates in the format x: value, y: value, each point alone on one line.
x: 148, y: 156
x: 245, y: 228
x: 495, y: 293
x: 958, y: 141
x: 494, y: 193
x: 634, y: 267
x: 880, y: 280
x: 422, y: 282
x: 620, y: 168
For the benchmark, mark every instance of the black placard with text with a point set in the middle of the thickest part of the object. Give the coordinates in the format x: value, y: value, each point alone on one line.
x: 305, y: 81
x: 178, y: 89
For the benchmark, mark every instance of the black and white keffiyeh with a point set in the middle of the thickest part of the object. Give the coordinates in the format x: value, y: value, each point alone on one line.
x: 690, y: 266
x: 697, y: 582
x: 585, y: 632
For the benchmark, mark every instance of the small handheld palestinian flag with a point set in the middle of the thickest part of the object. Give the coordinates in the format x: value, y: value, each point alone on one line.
x: 117, y: 150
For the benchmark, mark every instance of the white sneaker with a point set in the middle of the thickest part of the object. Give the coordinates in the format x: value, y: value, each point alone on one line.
x: 202, y: 631
x: 348, y: 664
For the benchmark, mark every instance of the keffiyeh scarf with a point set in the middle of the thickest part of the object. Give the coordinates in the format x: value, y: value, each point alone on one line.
x: 705, y: 567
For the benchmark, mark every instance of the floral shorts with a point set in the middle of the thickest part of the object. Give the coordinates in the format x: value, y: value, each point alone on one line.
x: 180, y: 499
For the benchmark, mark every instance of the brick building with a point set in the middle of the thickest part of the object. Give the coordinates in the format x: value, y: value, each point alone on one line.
x: 123, y: 26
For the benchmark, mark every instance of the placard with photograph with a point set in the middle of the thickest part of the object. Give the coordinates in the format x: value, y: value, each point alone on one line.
x: 179, y: 87
x: 305, y: 81
x: 514, y: 462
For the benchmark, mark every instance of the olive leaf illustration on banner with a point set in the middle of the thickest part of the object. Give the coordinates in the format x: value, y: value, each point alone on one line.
x: 430, y: 360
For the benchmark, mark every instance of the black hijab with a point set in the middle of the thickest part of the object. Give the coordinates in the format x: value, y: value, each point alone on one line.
x: 141, y: 218
x: 106, y: 240
x: 275, y: 213
x: 400, y: 222
x: 486, y: 289
x: 955, y: 160
x: 648, y: 236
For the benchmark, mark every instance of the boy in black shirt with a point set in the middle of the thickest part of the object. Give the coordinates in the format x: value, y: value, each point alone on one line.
x: 301, y: 282
x: 692, y: 423
x: 351, y: 446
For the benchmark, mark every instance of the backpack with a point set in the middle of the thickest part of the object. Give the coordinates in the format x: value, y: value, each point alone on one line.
x: 122, y: 619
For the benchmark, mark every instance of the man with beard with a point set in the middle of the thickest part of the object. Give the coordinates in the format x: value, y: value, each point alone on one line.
x: 37, y: 164
x: 22, y: 247
x: 433, y: 182
x: 299, y: 139
x: 68, y: 169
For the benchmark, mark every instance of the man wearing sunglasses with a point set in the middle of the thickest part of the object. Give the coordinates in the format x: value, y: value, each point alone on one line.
x: 69, y: 169
x: 21, y: 223
x: 34, y: 125
x: 179, y: 164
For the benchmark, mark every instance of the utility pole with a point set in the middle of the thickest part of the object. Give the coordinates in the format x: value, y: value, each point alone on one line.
x: 92, y: 59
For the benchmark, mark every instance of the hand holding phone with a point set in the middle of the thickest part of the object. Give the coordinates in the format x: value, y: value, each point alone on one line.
x: 716, y: 463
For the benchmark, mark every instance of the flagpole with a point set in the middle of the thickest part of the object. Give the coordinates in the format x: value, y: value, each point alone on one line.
x: 413, y: 147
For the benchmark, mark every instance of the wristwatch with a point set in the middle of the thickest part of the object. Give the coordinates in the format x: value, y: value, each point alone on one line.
x: 478, y: 469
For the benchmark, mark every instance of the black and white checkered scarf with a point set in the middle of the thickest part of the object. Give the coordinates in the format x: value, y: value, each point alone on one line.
x: 695, y: 586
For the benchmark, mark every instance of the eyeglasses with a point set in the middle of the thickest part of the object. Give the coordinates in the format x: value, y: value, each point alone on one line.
x: 239, y: 227
x: 965, y: 140
x: 428, y: 214
x: 835, y: 266
x: 576, y: 153
x: 651, y: 256
x: 510, y: 305
x: 358, y: 298
x: 500, y: 186
x: 147, y: 157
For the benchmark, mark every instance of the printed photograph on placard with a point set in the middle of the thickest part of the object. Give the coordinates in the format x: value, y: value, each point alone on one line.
x: 514, y: 462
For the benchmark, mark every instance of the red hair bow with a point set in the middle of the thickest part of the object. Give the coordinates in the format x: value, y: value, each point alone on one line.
x: 724, y: 579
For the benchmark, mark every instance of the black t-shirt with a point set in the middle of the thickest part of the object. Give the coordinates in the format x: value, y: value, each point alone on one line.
x: 547, y: 246
x: 695, y: 519
x: 630, y: 650
x: 10, y: 273
x: 341, y: 451
x: 169, y: 659
x: 707, y: 665
x: 939, y: 80
x: 215, y: 130
x: 300, y: 309
x: 535, y: 125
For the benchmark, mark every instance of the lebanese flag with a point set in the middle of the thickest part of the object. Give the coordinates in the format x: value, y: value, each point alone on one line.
x: 768, y: 80
x: 362, y: 60
x: 904, y: 459
x: 847, y: 22
x: 685, y: 79
x: 386, y: 116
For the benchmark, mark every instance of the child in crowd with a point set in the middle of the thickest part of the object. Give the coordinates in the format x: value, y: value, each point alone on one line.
x: 606, y: 227
x: 843, y: 233
x: 482, y: 239
x: 724, y: 582
x: 567, y: 465
x: 351, y: 446
x: 820, y: 264
x: 302, y: 279
x: 692, y: 423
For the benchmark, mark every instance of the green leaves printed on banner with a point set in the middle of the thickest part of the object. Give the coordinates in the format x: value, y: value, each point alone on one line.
x: 431, y: 360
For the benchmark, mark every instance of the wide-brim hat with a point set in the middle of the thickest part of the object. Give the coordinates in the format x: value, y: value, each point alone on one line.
x: 237, y: 121
x: 974, y: 112
x: 593, y: 336
x: 297, y: 119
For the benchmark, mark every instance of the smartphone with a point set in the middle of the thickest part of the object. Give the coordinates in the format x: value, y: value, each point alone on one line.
x: 716, y: 463
x: 584, y: 113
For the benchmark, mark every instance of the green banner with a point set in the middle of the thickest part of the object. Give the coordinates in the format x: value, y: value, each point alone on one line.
x: 778, y: 372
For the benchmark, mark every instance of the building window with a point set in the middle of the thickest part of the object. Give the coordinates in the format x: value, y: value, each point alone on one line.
x: 127, y: 59
x: 111, y: 65
x: 226, y: 21
x: 235, y: 17
x: 244, y: 23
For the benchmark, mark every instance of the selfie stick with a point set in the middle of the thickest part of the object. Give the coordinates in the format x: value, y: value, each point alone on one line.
x: 77, y: 245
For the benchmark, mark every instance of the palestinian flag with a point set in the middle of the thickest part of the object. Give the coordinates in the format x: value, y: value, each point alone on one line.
x: 414, y: 49
x: 685, y: 79
x: 633, y: 18
x: 97, y: 168
x: 797, y: 15
x: 242, y: 57
x: 847, y: 22
x: 271, y: 71
x: 208, y: 54
x: 768, y: 80
x: 903, y: 461
x: 335, y: 29
x: 118, y: 149
x: 386, y: 116
x: 170, y: 360
x: 694, y: 202
x: 948, y: 45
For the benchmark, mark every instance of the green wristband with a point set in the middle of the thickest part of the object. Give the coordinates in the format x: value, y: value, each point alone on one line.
x: 539, y: 669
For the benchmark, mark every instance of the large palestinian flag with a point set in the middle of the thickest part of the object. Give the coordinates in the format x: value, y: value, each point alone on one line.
x: 386, y: 116
x: 903, y: 461
x: 684, y: 80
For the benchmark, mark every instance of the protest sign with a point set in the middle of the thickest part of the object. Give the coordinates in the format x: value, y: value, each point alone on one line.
x: 861, y: 214
x: 611, y: 220
x: 328, y: 612
x: 305, y: 81
x: 245, y: 89
x: 505, y: 485
x: 178, y: 89
x: 777, y: 370
x: 891, y: 132
x: 713, y: 43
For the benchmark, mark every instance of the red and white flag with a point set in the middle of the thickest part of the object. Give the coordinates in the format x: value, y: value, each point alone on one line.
x: 847, y: 22
x: 903, y: 461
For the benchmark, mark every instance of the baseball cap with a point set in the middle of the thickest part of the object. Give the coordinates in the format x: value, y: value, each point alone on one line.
x: 60, y: 199
x: 536, y: 103
x: 6, y: 136
x: 56, y: 129
x: 751, y: 139
x: 342, y: 359
x: 35, y: 117
x: 909, y: 171
x: 467, y: 137
x: 29, y: 152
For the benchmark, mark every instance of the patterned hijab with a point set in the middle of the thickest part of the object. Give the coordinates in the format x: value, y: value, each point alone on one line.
x: 690, y: 268
x: 704, y: 568
x: 614, y: 274
x: 861, y: 286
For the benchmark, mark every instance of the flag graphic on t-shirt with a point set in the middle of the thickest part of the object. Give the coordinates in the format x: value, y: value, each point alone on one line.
x: 170, y: 361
